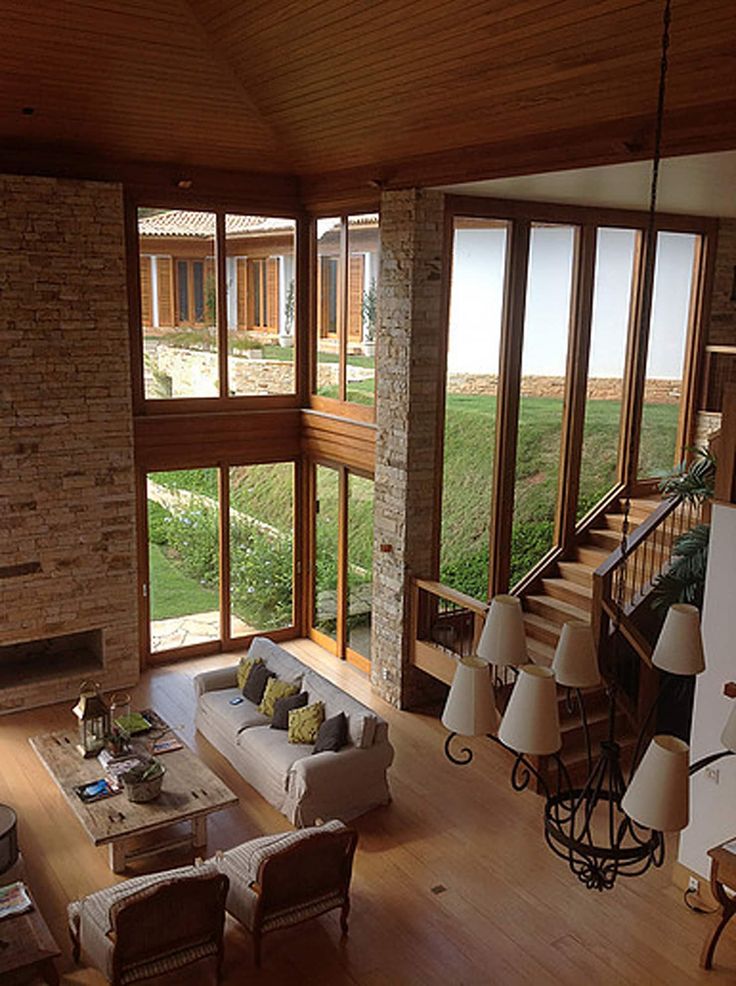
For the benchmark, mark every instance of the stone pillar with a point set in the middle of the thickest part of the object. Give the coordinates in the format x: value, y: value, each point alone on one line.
x: 409, y: 354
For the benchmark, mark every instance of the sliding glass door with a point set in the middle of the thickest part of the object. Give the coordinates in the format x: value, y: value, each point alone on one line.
x: 341, y: 562
x: 220, y: 555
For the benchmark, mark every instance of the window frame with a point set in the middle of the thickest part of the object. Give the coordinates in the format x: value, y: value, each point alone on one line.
x: 336, y: 405
x: 224, y: 401
x: 521, y: 215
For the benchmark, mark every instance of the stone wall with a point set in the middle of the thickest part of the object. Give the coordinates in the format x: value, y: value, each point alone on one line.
x: 409, y: 344
x: 194, y: 373
x: 599, y: 388
x: 67, y: 496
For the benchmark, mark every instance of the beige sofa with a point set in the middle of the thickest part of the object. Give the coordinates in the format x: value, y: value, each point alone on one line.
x: 303, y: 786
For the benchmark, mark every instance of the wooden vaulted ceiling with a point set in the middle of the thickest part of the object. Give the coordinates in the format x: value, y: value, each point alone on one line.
x: 447, y: 88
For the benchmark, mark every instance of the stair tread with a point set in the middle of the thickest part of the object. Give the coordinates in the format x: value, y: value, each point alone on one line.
x: 539, y: 621
x: 574, y: 612
x: 570, y: 569
x: 539, y: 652
x: 584, y: 591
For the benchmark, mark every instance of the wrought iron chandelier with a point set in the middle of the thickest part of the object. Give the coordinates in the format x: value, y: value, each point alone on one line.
x: 605, y: 827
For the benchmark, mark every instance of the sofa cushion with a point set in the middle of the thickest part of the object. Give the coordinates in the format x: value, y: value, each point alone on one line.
x: 276, y: 688
x: 304, y: 723
x: 283, y: 706
x: 272, y: 749
x: 278, y: 660
x: 245, y: 666
x: 230, y: 718
x: 361, y: 720
x: 332, y: 735
x: 255, y: 686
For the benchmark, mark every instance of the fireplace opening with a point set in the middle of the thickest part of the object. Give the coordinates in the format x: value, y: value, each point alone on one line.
x: 51, y: 657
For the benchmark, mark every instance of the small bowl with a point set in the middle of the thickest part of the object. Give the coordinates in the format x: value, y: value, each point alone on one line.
x: 142, y: 791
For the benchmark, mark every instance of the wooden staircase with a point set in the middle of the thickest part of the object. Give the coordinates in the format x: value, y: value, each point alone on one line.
x: 564, y: 594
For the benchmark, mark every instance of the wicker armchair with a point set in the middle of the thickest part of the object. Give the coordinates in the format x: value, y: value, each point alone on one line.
x: 280, y: 880
x: 151, y: 927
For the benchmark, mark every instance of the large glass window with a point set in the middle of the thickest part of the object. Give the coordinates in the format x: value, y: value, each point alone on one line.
x: 614, y: 268
x: 347, y: 307
x: 261, y: 547
x: 186, y: 527
x: 362, y: 308
x: 260, y: 276
x: 184, y: 558
x: 476, y: 303
x: 668, y: 336
x: 178, y: 303
x: 326, y: 550
x: 181, y: 328
x: 543, y: 370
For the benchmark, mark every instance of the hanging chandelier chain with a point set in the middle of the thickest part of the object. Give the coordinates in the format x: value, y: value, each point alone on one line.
x: 659, y: 120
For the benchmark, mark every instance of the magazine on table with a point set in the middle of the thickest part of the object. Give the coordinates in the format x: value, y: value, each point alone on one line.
x: 105, y: 787
x: 14, y: 900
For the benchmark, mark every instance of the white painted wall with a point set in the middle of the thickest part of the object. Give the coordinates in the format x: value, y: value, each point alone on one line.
x: 713, y: 806
x: 477, y: 296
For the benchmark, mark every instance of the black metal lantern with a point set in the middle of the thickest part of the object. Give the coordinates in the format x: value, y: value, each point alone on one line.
x: 94, y: 719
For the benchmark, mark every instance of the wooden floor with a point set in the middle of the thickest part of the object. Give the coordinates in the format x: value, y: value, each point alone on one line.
x: 452, y: 885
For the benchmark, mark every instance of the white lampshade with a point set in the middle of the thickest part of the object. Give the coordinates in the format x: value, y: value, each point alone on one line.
x: 728, y: 736
x: 502, y: 639
x: 470, y: 708
x: 679, y: 649
x: 575, y: 663
x: 659, y: 793
x: 531, y: 723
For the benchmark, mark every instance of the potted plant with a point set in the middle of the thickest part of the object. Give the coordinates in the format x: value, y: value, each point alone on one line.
x: 143, y: 782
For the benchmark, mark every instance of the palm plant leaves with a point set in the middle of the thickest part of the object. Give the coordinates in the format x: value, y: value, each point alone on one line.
x: 684, y: 580
x: 693, y: 482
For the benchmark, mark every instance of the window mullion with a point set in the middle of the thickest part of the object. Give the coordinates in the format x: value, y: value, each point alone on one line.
x: 221, y: 306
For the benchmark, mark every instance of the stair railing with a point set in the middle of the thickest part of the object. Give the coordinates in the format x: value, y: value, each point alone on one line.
x: 648, y: 555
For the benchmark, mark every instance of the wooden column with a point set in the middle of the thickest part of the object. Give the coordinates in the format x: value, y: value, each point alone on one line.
x: 507, y: 405
x: 576, y: 382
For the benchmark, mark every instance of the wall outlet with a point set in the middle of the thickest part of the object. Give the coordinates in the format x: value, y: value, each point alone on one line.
x: 713, y: 774
x: 693, y: 885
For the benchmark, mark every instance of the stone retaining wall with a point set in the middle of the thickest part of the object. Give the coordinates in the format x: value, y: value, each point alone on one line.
x: 599, y: 388
x: 193, y: 372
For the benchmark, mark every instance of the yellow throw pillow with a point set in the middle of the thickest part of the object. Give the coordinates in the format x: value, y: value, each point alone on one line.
x: 304, y: 723
x: 275, y: 688
x: 245, y: 667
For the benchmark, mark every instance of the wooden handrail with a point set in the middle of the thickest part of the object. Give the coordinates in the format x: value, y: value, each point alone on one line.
x: 452, y: 596
x: 639, y: 535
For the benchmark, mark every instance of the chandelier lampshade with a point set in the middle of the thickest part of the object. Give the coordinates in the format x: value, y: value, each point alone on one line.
x: 531, y: 723
x: 502, y: 640
x: 679, y: 648
x: 575, y: 663
x: 470, y: 708
x: 658, y: 796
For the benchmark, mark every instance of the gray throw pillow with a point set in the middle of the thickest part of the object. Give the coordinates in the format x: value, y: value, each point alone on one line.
x: 283, y: 706
x: 332, y: 735
x: 255, y: 686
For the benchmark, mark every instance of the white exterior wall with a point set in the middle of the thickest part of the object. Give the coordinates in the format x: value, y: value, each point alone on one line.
x: 713, y: 806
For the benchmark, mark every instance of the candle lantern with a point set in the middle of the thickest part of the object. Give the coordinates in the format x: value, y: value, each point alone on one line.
x: 94, y: 719
x: 119, y: 739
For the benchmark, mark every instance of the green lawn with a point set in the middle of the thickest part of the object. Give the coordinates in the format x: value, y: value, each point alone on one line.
x: 469, y: 442
x: 173, y: 593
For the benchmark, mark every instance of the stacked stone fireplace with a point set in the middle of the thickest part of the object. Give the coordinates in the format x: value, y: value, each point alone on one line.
x: 67, y: 490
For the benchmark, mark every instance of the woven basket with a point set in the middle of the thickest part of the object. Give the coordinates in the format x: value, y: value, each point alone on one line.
x: 141, y: 791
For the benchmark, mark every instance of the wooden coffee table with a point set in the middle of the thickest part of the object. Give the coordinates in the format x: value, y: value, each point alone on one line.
x: 26, y: 947
x: 190, y: 793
